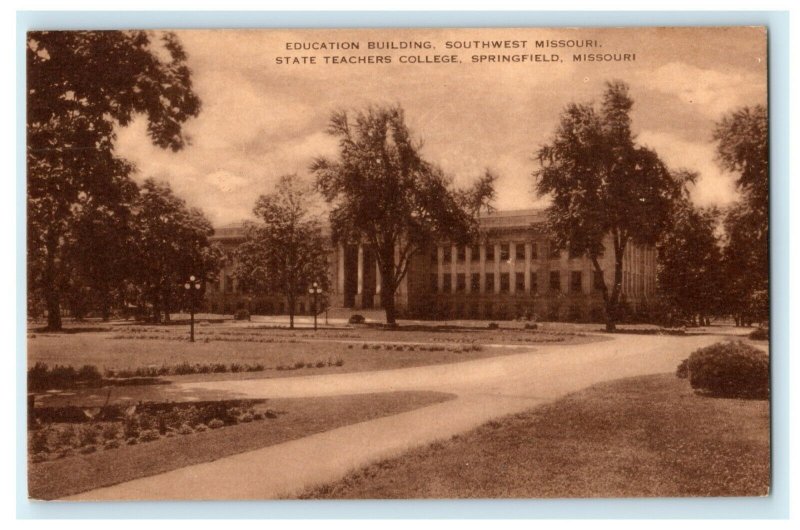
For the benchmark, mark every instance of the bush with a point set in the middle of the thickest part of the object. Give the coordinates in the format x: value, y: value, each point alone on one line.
x: 185, y: 429
x: 87, y: 435
x: 531, y: 326
x: 730, y: 369
x: 683, y: 369
x: 761, y: 333
x: 38, y: 457
x: 87, y: 449
x: 201, y: 427
x: 493, y: 325
x: 111, y: 431
x: 216, y: 423
x: 39, y: 441
x: 241, y: 314
x: 356, y: 319
x: 111, y: 444
x: 246, y: 417
x: 149, y: 435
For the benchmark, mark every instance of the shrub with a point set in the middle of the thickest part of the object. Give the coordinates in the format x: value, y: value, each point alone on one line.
x: 185, y: 429
x: 87, y: 435
x: 761, y: 333
x: 38, y: 457
x: 66, y: 436
x: 241, y: 314
x: 683, y: 369
x: 236, y: 367
x: 216, y: 423
x: 87, y: 449
x: 111, y: 431
x: 200, y: 427
x: 531, y: 326
x: 65, y: 452
x: 132, y: 441
x: 320, y: 364
x: 356, y: 319
x: 39, y: 441
x: 730, y: 369
x: 131, y: 427
x: 148, y: 435
x: 111, y: 444
x: 246, y: 417
x: 493, y: 325
x: 258, y: 416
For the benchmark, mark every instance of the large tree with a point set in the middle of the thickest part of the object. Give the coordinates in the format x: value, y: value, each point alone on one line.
x: 603, y: 184
x: 690, y: 263
x: 83, y: 85
x: 384, y: 193
x: 743, y: 148
x: 286, y: 251
x: 170, y: 244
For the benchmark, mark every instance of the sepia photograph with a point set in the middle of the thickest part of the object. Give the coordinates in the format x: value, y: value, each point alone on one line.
x: 454, y: 263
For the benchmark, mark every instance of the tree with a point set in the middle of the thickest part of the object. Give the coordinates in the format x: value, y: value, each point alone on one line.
x: 690, y: 263
x: 603, y: 184
x: 171, y: 244
x: 382, y: 192
x: 286, y: 252
x: 743, y: 148
x: 82, y: 85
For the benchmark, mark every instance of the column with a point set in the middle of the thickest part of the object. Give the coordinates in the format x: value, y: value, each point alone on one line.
x: 340, y: 272
x: 468, y: 270
x: 377, y: 278
x: 512, y: 266
x: 528, y: 252
x: 360, y: 269
x: 482, y: 267
x: 439, y: 268
x: 453, y: 275
x: 497, y: 268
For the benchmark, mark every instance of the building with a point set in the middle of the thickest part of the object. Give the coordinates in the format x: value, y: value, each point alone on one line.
x: 512, y: 271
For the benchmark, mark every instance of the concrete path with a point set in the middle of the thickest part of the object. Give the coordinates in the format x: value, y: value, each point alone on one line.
x: 486, y: 389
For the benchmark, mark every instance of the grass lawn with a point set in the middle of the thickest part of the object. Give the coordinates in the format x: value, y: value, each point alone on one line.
x: 639, y: 437
x: 296, y: 418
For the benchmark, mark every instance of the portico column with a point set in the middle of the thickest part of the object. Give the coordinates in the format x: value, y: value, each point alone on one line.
x: 527, y: 267
x: 467, y: 270
x: 497, y: 268
x: 340, y: 271
x: 360, y: 269
x: 439, y: 268
x: 512, y: 265
x: 377, y: 278
x: 482, y: 268
x: 453, y: 274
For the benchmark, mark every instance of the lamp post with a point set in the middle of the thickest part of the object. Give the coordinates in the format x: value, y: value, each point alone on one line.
x: 315, y: 290
x: 192, y: 287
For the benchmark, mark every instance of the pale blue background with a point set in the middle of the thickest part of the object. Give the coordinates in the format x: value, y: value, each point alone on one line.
x: 774, y: 506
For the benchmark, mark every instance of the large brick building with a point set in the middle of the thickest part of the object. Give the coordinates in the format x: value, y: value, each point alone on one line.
x: 513, y: 270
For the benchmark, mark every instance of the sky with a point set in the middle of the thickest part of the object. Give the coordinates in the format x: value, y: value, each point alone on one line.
x: 261, y: 120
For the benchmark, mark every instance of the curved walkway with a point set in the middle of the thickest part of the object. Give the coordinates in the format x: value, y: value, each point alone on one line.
x: 486, y: 389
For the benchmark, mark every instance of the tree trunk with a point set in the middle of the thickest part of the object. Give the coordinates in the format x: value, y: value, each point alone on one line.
x: 388, y: 303
x: 290, y: 301
x: 53, y: 300
x: 612, y: 302
x: 51, y: 289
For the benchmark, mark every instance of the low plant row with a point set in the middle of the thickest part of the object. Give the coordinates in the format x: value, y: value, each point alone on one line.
x: 48, y: 441
x: 297, y: 365
x: 43, y: 377
x: 416, y: 347
x: 202, y: 338
x: 184, y: 368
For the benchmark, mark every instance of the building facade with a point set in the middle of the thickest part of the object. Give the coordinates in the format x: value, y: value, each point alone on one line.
x: 512, y: 271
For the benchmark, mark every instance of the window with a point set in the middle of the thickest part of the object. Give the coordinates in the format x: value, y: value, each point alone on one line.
x: 461, y: 282
x: 504, y: 252
x: 576, y: 282
x: 476, y: 253
x: 534, y: 284
x: 520, y: 251
x: 534, y: 251
x: 461, y: 253
x: 448, y: 253
x: 434, y: 282
x: 475, y: 282
x: 519, y: 282
x: 555, y: 281
x: 446, y: 283
x: 489, y: 282
x: 489, y: 252
x: 597, y: 280
x: 504, y: 282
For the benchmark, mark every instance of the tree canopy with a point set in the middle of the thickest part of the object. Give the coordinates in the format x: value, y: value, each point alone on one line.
x: 384, y: 193
x: 82, y: 85
x: 286, y: 251
x: 603, y: 184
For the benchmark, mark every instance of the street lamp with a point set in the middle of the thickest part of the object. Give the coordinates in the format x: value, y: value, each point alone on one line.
x: 192, y: 287
x: 315, y: 290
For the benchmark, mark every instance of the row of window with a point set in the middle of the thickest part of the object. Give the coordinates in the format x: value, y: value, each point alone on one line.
x: 506, y: 250
x: 575, y: 282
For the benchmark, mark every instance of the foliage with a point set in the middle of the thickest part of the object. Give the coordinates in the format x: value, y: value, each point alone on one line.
x: 171, y: 244
x: 77, y: 188
x: 241, y: 314
x: 286, y: 251
x: 356, y: 319
x: 760, y: 333
x: 149, y: 435
x: 216, y: 423
x: 42, y: 377
x: 730, y: 369
x: 603, y: 185
x: 383, y: 193
x: 690, y: 264
x: 743, y: 148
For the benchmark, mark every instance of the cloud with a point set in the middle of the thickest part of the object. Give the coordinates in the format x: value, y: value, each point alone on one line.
x: 714, y: 186
x: 226, y: 181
